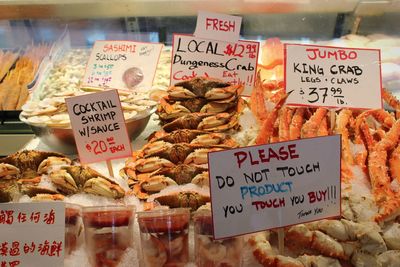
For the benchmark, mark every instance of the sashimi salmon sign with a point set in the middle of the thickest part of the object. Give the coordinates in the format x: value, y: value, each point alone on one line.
x: 269, y: 186
x: 99, y: 127
x: 333, y: 76
x: 122, y: 64
x: 231, y: 62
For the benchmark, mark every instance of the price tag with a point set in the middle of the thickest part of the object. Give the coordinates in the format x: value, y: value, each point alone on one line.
x: 218, y: 26
x: 122, y: 64
x: 32, y: 234
x: 275, y: 185
x: 231, y: 62
x: 99, y: 126
x: 333, y: 76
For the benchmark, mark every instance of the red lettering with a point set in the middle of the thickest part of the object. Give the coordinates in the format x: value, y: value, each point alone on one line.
x: 311, y: 197
x: 35, y: 217
x: 55, y: 249
x: 14, y: 251
x: 292, y: 151
x: 44, y: 248
x: 253, y: 162
x: 4, y: 249
x: 49, y: 217
x: 14, y: 263
x: 313, y: 55
x: 240, y: 157
x: 261, y: 153
x: 272, y: 154
x: 179, y: 77
x: 6, y: 216
x: 21, y: 217
x: 283, y: 153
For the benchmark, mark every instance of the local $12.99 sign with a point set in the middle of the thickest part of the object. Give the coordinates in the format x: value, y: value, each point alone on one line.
x: 333, y: 76
x: 275, y: 185
x: 99, y: 127
x: 231, y: 62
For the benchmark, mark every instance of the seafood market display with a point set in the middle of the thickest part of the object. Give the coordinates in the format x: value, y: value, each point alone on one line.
x: 52, y: 111
x: 172, y: 159
x: 14, y: 88
x: 164, y: 237
x: 108, y: 233
x: 65, y: 76
x: 201, y: 104
x: 50, y: 176
x: 216, y: 253
x: 369, y: 174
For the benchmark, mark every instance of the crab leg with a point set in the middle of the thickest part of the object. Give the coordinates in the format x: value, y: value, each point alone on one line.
x: 296, y: 124
x: 310, y: 128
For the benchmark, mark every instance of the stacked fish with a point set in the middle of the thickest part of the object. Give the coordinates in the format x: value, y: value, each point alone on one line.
x: 201, y: 104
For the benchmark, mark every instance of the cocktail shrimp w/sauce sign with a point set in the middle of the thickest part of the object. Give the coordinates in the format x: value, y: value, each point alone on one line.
x: 99, y: 127
x: 122, y: 64
x: 270, y: 186
x: 333, y: 76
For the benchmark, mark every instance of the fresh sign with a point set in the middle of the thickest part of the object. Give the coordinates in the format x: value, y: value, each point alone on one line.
x: 333, y: 76
x: 32, y: 234
x: 232, y: 62
x: 275, y: 185
x: 99, y: 127
x: 218, y: 26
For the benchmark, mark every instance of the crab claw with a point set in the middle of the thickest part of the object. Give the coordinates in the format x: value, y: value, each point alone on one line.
x: 157, y: 183
x: 103, y: 187
x: 64, y: 181
x: 187, y: 199
x: 52, y: 162
x: 7, y: 171
x: 48, y: 197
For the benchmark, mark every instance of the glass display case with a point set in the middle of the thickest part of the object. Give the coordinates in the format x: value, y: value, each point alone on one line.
x: 45, y: 46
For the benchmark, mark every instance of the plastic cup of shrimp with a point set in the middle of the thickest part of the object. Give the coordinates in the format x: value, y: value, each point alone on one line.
x: 164, y: 236
x: 214, y: 253
x: 73, y: 227
x: 108, y: 233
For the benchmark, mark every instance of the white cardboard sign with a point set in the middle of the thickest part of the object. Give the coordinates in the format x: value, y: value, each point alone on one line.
x: 122, y: 64
x: 263, y: 187
x: 218, y: 26
x: 99, y: 127
x: 333, y: 76
x: 32, y: 234
x: 231, y: 62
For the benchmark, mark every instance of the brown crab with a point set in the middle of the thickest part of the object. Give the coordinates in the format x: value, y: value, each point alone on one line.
x: 72, y: 179
x: 186, y: 199
x: 194, y: 137
x: 204, y: 121
x: 208, y: 88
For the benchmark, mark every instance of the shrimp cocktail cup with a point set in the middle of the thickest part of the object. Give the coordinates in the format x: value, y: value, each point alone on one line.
x: 108, y: 233
x: 214, y: 253
x: 73, y: 227
x: 164, y: 236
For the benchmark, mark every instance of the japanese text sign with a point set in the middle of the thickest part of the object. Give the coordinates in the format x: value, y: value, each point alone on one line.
x: 333, y: 76
x: 231, y: 62
x: 275, y: 185
x: 99, y: 126
x: 32, y: 234
x: 122, y: 64
x: 218, y: 26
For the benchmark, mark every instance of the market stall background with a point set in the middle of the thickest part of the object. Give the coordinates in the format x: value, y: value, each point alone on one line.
x: 370, y: 24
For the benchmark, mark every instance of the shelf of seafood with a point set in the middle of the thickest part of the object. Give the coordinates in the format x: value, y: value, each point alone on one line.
x: 158, y: 202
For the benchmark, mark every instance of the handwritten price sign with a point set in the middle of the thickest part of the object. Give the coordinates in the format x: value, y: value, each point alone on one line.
x: 333, y: 76
x: 274, y: 185
x: 232, y: 62
x: 32, y: 234
x: 99, y: 126
x: 218, y: 26
x: 122, y: 64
